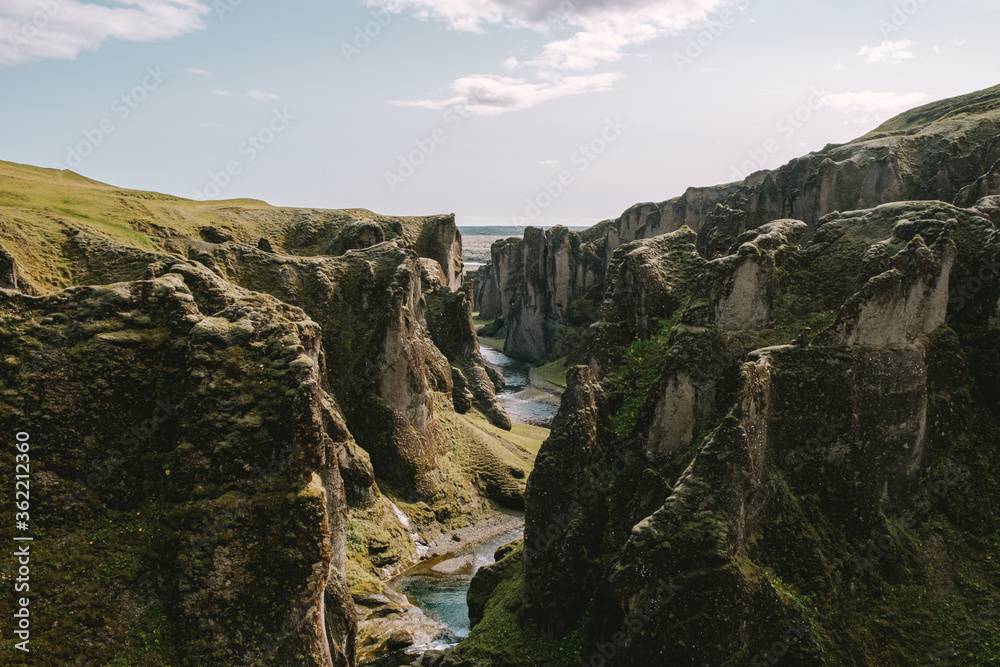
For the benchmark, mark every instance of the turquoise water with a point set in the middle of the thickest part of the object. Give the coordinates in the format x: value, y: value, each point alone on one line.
x: 441, y: 595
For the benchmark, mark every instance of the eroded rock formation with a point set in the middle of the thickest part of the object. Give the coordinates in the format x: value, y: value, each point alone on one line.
x: 799, y: 437
x: 194, y: 447
x: 947, y: 151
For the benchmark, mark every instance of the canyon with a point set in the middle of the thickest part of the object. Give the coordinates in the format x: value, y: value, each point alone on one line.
x: 775, y: 441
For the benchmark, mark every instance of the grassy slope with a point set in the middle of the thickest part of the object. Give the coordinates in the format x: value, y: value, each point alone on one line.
x: 38, y: 205
x: 942, y: 113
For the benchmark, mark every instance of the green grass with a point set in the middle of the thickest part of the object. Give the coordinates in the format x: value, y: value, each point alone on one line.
x: 526, y: 438
x: 38, y: 206
x: 979, y: 102
x: 495, y: 343
x: 553, y: 373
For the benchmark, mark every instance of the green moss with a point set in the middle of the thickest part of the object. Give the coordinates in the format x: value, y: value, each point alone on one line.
x: 500, y: 636
x: 638, y: 373
x: 488, y: 341
x: 150, y: 642
x: 581, y: 311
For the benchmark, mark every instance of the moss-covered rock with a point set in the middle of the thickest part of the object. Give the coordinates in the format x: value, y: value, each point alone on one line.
x: 451, y: 327
x: 778, y: 499
x: 188, y: 505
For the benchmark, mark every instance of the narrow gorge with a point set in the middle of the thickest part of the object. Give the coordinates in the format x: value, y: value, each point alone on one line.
x: 754, y: 424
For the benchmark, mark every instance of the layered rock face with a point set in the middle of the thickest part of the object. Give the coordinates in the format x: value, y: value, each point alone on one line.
x: 185, y: 486
x: 799, y: 436
x: 782, y: 485
x: 486, y: 293
x: 371, y: 306
x: 946, y: 151
x: 647, y: 282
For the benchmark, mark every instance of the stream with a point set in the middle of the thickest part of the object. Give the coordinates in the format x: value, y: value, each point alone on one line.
x: 517, y: 374
x: 439, y: 585
x: 441, y: 594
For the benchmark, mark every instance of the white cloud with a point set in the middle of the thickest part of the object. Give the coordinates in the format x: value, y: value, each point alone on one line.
x: 472, y: 15
x: 40, y: 29
x: 891, y: 53
x: 604, y: 30
x: 198, y: 71
x: 487, y: 94
x: 547, y: 162
x: 839, y: 67
x: 259, y: 95
x: 253, y: 94
x: 868, y: 106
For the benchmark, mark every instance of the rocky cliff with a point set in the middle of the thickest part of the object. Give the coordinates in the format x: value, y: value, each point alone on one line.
x: 279, y: 370
x: 783, y: 451
x: 947, y: 151
x: 186, y: 493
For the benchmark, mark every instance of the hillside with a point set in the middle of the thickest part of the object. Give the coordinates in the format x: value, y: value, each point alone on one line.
x: 38, y: 206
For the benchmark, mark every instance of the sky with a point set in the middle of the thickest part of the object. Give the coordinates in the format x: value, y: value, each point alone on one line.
x: 500, y: 111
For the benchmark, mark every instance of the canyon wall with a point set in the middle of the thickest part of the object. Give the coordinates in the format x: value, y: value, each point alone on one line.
x: 223, y: 397
x: 947, y: 151
x: 785, y: 432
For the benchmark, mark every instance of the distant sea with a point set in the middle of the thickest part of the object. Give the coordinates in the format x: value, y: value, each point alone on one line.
x: 476, y: 242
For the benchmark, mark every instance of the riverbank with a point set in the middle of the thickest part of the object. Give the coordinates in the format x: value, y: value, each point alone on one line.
x: 424, y: 607
x: 462, y: 539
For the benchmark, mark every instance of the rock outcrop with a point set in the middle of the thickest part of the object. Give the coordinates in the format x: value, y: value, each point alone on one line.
x: 486, y: 293
x: 947, y: 151
x: 646, y: 283
x: 815, y: 451
x: 560, y: 285
x: 449, y: 322
x: 187, y: 487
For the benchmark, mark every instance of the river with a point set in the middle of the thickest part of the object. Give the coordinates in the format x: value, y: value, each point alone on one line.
x: 440, y: 590
x: 517, y: 374
x: 439, y: 585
